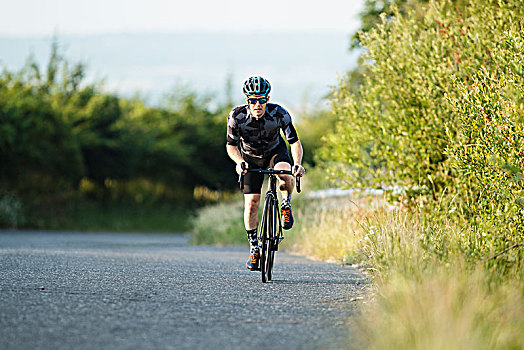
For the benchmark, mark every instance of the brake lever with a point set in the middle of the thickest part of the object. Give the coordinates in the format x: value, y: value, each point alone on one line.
x: 241, y: 176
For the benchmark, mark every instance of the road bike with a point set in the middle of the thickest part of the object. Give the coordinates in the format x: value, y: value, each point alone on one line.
x: 270, y: 231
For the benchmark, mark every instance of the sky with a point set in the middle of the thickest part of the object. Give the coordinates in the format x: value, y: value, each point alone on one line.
x: 94, y: 32
x: 74, y: 17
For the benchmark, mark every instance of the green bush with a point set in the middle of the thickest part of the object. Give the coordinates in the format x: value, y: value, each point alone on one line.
x: 35, y: 143
x: 490, y: 106
x: 416, y: 117
x: 395, y: 129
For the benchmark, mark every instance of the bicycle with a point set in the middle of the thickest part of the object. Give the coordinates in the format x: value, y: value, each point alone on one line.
x: 270, y: 233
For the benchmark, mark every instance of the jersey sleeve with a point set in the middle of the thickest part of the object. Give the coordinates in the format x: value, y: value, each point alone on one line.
x: 232, y: 130
x: 288, y: 128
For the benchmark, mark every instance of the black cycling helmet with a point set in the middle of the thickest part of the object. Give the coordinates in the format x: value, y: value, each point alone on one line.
x: 256, y: 86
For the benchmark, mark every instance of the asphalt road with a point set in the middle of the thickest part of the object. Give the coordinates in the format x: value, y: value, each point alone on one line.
x: 153, y: 291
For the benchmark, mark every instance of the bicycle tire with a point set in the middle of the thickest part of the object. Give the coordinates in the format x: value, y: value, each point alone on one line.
x: 272, y: 230
x: 263, y: 239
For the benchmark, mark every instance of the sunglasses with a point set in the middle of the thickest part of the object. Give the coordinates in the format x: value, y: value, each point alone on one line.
x: 254, y: 101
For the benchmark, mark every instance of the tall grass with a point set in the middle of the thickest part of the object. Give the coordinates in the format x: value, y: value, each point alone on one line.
x: 428, y: 292
x: 450, y: 308
x: 331, y: 229
x: 222, y: 223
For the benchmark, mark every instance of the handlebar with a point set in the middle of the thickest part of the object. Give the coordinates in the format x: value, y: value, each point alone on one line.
x: 268, y: 172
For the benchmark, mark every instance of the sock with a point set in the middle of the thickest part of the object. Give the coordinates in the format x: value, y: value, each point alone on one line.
x: 286, y: 200
x: 252, y: 237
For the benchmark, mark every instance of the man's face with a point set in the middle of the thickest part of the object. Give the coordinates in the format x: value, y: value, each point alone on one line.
x: 257, y: 105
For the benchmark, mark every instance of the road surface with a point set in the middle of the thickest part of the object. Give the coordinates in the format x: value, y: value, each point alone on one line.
x: 152, y: 291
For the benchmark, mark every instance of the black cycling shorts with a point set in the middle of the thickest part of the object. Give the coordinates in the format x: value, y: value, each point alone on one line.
x: 253, y: 181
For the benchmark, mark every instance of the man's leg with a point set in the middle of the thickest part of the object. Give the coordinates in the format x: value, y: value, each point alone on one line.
x: 287, y: 183
x: 251, y: 203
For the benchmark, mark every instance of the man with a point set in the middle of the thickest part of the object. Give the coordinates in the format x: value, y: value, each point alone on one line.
x: 253, y: 138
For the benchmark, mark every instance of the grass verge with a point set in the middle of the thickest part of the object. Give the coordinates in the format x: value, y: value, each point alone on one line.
x: 427, y: 292
x: 221, y: 223
x: 451, y: 307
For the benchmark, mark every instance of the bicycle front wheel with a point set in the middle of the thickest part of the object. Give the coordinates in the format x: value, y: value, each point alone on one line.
x: 272, y: 233
x: 266, y: 239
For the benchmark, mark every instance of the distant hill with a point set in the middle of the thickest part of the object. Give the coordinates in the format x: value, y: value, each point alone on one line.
x: 299, y: 66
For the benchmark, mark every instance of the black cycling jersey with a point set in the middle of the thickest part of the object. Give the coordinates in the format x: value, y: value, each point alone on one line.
x: 258, y: 137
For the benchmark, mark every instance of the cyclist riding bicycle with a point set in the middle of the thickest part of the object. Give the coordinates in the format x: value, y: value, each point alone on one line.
x: 254, y: 139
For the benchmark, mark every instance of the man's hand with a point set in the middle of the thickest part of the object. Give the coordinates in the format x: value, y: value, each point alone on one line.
x: 298, y: 170
x: 239, y: 169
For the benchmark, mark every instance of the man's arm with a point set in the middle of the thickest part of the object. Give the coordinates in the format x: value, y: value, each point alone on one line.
x: 232, y: 142
x: 294, y: 143
x: 234, y: 153
x: 297, y: 152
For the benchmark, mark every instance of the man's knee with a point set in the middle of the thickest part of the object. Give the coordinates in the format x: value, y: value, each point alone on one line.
x: 283, y: 166
x: 284, y: 180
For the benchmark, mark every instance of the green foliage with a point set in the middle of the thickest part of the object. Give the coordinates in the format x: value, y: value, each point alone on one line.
x: 399, y: 117
x: 202, y: 133
x: 60, y: 137
x: 490, y: 106
x: 439, y: 113
x: 311, y: 126
x: 35, y: 143
x: 370, y: 15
